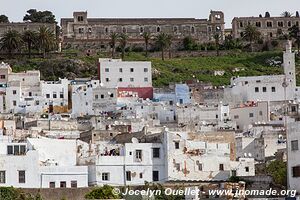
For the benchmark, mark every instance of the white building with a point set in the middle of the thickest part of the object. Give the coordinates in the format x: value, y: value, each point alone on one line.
x: 41, y: 163
x: 131, y: 78
x: 90, y: 98
x: 266, y: 88
x: 117, y: 73
x: 293, y: 150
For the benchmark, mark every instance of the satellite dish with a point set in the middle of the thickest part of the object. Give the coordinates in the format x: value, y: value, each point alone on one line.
x: 134, y: 140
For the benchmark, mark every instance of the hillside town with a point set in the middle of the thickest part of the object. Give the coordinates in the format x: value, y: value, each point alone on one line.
x: 117, y: 129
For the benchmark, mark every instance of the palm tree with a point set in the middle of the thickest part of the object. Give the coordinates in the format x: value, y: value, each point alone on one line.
x: 251, y: 34
x: 123, y: 43
x: 29, y: 37
x: 162, y: 43
x: 217, y: 38
x: 46, y: 40
x: 113, y: 42
x: 11, y: 41
x: 147, y: 37
x: 286, y: 14
x: 169, y: 44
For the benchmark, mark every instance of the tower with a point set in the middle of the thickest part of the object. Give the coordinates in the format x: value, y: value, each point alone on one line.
x: 289, y: 65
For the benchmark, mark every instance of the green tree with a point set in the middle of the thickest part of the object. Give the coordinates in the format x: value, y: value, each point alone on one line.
x: 39, y: 16
x: 11, y: 41
x: 4, y: 19
x: 46, y: 40
x: 294, y: 32
x: 112, y: 43
x: 123, y: 43
x: 29, y: 37
x: 251, y: 35
x: 147, y: 37
x: 162, y: 43
x: 105, y: 192
x: 286, y: 14
x: 188, y: 43
x: 278, y: 170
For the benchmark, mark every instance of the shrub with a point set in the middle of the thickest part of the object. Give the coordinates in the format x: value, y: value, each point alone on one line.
x: 105, y: 192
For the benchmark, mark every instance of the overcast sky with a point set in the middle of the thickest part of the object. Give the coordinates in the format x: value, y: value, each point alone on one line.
x: 15, y: 9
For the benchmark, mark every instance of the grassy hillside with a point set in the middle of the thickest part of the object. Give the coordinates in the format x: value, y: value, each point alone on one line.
x: 170, y: 70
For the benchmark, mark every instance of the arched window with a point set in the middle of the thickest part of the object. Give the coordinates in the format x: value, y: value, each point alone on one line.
x: 158, y: 29
x: 193, y: 30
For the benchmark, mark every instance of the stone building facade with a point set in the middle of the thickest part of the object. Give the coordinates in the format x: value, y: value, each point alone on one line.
x: 95, y: 32
x: 270, y: 27
x: 23, y: 26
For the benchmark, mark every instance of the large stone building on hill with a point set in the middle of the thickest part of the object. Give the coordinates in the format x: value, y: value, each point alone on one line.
x: 94, y: 33
x: 269, y: 27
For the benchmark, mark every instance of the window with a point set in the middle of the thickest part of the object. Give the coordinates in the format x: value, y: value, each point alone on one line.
x: 273, y: 89
x: 221, y: 167
x: 241, y: 24
x: 176, y: 145
x: 2, y: 76
x: 138, y: 155
x: 120, y: 70
x: 141, y: 29
x: 106, y: 69
x: 271, y: 34
x: 124, y: 30
x: 120, y: 79
x: 294, y: 145
x: 2, y: 177
x: 155, y: 176
x: 145, y: 79
x: 235, y: 116
x: 22, y: 176
x: 247, y: 169
x: 260, y: 113
x: 80, y: 18
x: 14, y: 103
x: 14, y: 91
x: 80, y: 30
x: 158, y: 29
x: 89, y: 30
x: 177, y: 166
x: 51, y: 184
x: 112, y: 95
x: 141, y: 175
x: 10, y: 150
x: 193, y: 30
x: 30, y: 94
x: 107, y: 79
x: 128, y: 175
x: 131, y: 70
x: 156, y: 152
x: 47, y: 96
x: 63, y: 184
x: 145, y: 69
x: 289, y: 23
x: 200, y: 167
x: 131, y: 79
x: 16, y: 150
x: 264, y: 89
x: 22, y: 150
x: 54, y: 95
x: 73, y: 184
x: 258, y: 24
x: 61, y: 95
x: 256, y: 89
x: 280, y: 24
x: 96, y: 96
x: 296, y: 171
x: 251, y: 115
x: 175, y: 29
x: 105, y: 176
x: 269, y: 24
